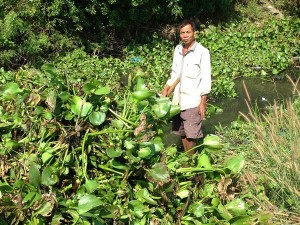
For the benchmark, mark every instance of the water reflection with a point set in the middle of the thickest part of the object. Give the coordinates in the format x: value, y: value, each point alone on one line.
x: 262, y: 94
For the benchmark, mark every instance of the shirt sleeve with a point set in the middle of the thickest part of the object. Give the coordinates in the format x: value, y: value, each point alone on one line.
x: 205, y: 85
x: 175, y: 73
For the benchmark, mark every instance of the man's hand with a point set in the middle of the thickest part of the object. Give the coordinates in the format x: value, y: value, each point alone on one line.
x: 202, y: 107
x: 164, y: 93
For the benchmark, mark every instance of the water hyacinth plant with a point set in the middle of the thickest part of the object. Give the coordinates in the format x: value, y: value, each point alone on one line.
x: 86, y: 156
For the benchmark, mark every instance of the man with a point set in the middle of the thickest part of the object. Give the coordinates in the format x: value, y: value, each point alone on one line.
x: 191, y: 71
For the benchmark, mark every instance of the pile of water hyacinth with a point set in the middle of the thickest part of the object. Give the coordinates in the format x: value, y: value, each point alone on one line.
x: 84, y: 153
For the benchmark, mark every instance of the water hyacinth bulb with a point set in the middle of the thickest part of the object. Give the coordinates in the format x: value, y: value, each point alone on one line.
x: 212, y: 143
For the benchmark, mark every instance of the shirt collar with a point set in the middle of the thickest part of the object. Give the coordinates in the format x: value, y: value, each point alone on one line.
x: 191, y: 49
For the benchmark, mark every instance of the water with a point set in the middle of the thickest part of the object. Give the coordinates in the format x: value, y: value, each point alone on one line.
x: 262, y: 94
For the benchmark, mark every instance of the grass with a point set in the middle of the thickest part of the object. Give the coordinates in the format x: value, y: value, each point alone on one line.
x: 278, y: 160
x: 270, y: 143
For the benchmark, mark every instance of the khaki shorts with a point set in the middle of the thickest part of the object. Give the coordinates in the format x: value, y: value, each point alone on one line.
x: 188, y: 123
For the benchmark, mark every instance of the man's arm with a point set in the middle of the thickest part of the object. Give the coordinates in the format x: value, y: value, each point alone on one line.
x: 202, y: 107
x: 165, y: 91
x: 169, y: 88
x: 205, y: 83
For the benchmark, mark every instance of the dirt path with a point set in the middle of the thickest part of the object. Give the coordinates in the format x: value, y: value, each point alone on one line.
x: 269, y: 7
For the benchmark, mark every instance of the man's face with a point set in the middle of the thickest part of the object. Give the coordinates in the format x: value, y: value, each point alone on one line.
x: 187, y: 34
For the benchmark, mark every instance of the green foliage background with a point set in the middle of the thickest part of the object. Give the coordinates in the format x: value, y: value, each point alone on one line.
x: 31, y: 31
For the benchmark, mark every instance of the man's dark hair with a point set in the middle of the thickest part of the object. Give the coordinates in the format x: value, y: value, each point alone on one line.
x: 187, y: 22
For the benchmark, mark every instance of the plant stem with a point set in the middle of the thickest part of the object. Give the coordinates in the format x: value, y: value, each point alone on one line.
x: 108, y: 131
x: 109, y: 169
x: 121, y: 118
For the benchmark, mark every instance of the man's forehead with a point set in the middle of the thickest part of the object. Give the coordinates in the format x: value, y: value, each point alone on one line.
x: 186, y: 28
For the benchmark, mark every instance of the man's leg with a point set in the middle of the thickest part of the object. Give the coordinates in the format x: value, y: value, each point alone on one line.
x: 188, y: 143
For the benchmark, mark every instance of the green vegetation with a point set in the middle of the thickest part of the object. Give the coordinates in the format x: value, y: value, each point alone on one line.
x: 87, y: 155
x: 278, y: 160
x: 32, y: 31
x: 81, y: 131
x: 268, y: 143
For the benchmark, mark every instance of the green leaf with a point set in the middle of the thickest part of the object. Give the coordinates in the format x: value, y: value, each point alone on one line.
x: 142, y: 95
x: 117, y: 124
x: 215, y: 202
x: 208, y: 190
x: 80, y: 107
x: 31, y: 198
x: 197, y: 209
x: 140, y: 85
x: 88, y: 202
x: 129, y: 145
x: 136, y: 208
x: 49, y: 69
x: 114, y: 152
x: 5, y: 125
x: 46, y: 156
x: 74, y: 214
x: 171, y: 150
x: 158, y: 173
x: 275, y: 71
x: 183, y: 193
x: 174, y: 110
x: 68, y: 116
x: 204, y: 161
x: 10, y: 91
x: 102, y: 91
x: 158, y: 144
x: 224, y: 212
x: 263, y: 73
x: 48, y: 178
x: 145, y: 152
x: 131, y: 157
x: 242, y: 220
x: 97, y: 118
x: 144, y: 196
x: 212, y: 143
x: 87, y: 88
x: 57, y: 219
x: 48, y: 115
x: 115, y: 164
x: 4, y: 188
x: 235, y: 164
x: 91, y: 185
x: 34, y: 175
x: 161, y: 109
x: 64, y: 96
x: 237, y: 207
x: 46, y: 209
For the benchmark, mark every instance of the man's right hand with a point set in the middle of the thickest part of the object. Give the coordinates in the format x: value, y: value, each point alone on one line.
x: 164, y: 93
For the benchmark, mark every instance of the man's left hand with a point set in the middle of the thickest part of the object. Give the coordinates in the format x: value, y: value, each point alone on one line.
x: 202, y: 107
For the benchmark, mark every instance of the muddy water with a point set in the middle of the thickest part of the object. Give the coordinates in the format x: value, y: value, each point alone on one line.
x: 262, y: 94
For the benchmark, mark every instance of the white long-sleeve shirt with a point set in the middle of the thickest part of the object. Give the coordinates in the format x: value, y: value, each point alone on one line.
x: 194, y: 71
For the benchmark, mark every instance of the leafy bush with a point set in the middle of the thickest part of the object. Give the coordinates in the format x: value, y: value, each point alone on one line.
x: 33, y: 31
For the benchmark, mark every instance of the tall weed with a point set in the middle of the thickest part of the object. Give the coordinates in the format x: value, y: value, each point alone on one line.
x: 277, y: 142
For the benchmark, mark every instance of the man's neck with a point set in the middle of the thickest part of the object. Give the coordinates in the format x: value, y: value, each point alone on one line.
x: 187, y: 47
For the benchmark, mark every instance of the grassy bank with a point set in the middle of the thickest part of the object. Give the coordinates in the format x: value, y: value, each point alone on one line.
x: 270, y: 144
